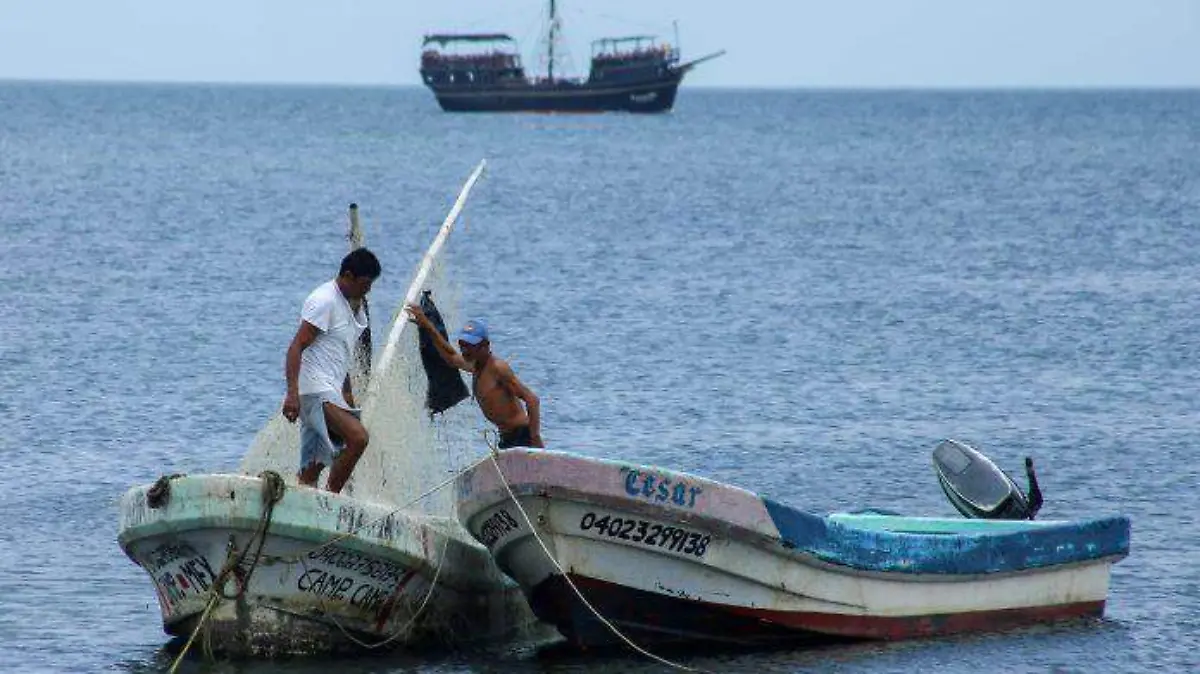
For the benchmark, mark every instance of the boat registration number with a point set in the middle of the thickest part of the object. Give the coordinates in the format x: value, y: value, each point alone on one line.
x: 675, y: 539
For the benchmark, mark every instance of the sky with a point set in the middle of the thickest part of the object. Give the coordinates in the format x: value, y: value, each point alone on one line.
x: 769, y: 43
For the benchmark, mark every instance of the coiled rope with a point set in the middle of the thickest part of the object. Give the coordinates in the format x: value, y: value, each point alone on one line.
x: 158, y: 495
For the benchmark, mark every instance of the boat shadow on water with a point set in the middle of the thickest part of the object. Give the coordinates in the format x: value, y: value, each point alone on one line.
x: 398, y: 659
x: 815, y: 650
x: 559, y: 655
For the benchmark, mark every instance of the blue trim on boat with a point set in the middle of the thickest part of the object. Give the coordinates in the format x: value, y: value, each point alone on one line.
x: 950, y: 553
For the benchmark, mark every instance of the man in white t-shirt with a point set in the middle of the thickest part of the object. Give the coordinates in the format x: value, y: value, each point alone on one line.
x: 318, y: 373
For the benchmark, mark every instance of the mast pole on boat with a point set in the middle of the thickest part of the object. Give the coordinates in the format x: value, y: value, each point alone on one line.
x: 426, y: 267
x: 550, y: 42
x: 362, y: 354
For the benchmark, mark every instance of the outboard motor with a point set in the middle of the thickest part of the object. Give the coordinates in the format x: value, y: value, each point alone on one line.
x: 979, y: 489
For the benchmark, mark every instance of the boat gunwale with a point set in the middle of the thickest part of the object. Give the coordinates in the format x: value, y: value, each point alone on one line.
x: 757, y: 539
x: 421, y: 546
x: 472, y: 504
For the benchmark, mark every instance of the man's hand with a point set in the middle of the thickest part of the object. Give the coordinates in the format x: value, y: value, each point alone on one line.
x: 445, y: 350
x: 291, y: 407
x: 418, y: 316
x: 535, y: 440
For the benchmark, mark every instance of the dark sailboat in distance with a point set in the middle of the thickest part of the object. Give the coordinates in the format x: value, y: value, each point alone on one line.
x: 482, y: 72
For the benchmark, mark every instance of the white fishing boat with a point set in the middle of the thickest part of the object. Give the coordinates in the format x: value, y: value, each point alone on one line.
x: 665, y: 556
x: 257, y: 567
x: 254, y: 563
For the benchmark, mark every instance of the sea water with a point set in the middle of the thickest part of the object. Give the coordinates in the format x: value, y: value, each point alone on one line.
x: 796, y: 292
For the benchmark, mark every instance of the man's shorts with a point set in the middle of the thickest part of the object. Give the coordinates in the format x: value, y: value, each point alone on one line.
x: 517, y: 437
x: 317, y: 443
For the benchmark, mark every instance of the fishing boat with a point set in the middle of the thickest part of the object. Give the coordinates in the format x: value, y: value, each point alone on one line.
x: 665, y: 556
x: 256, y: 564
x: 483, y: 72
x: 259, y: 568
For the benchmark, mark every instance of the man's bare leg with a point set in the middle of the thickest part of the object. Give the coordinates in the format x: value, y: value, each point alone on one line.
x: 356, y: 438
x: 310, y: 474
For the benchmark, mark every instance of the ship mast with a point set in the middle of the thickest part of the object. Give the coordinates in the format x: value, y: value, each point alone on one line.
x: 550, y: 42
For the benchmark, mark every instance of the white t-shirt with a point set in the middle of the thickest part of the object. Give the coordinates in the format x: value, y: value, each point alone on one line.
x: 324, y: 364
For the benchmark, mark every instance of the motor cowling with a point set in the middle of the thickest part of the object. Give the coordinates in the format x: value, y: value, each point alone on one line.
x: 979, y: 489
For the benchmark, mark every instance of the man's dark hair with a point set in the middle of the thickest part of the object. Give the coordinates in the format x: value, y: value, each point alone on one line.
x: 361, y: 262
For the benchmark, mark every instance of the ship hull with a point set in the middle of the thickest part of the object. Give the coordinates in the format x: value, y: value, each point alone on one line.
x: 641, y: 97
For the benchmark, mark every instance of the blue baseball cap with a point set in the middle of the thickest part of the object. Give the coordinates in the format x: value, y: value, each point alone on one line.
x: 474, y: 332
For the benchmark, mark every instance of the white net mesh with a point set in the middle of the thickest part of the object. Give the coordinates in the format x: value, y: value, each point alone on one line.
x: 409, y: 453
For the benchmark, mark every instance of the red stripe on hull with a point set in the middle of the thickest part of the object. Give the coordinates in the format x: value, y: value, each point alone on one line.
x: 908, y: 627
x: 652, y: 617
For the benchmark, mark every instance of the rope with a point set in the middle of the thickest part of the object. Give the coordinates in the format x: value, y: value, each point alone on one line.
x: 272, y: 492
x: 611, y: 627
x: 158, y: 495
x: 212, y: 602
x: 413, y: 619
x: 215, y: 595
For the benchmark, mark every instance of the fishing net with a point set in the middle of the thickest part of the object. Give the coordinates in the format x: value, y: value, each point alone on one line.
x: 411, y: 450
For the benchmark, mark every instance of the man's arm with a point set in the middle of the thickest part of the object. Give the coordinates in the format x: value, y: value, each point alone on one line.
x: 305, y: 334
x: 447, y: 352
x: 533, y: 408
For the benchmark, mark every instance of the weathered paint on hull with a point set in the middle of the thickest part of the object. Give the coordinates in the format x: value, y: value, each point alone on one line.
x: 649, y: 617
x: 669, y: 552
x: 301, y: 597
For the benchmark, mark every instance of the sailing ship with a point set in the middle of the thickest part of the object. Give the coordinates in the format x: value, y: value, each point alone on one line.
x: 483, y: 72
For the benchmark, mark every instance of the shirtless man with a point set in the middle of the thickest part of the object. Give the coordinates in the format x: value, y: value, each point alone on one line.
x: 493, y: 384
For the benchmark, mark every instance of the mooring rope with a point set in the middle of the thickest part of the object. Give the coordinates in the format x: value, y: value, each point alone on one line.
x: 212, y: 602
x: 412, y: 619
x: 549, y: 555
x: 273, y: 489
x: 215, y: 594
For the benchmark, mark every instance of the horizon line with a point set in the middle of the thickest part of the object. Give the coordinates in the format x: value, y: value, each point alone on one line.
x: 4, y: 79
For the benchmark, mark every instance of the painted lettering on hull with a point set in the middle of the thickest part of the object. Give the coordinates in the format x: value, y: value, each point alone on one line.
x: 347, y: 577
x: 351, y: 519
x: 339, y: 587
x: 377, y: 570
x: 651, y: 534
x: 659, y: 488
x: 179, y: 572
x: 497, y: 526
